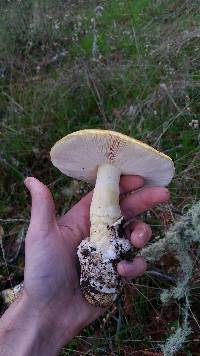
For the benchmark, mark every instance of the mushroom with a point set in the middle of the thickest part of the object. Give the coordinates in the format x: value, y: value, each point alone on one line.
x: 10, y: 294
x: 102, y: 156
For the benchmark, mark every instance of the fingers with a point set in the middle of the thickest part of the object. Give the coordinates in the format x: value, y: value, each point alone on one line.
x: 42, y: 209
x: 142, y: 200
x: 130, y: 183
x: 127, y: 184
x: 141, y: 234
x: 132, y: 269
x: 135, y: 204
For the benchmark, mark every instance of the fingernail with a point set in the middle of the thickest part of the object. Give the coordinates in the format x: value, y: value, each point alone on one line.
x: 27, y: 182
x: 132, y: 269
x: 141, y: 264
x: 139, y: 235
x: 121, y: 268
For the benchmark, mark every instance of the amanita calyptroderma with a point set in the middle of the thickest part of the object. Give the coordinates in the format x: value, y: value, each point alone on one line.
x: 103, y: 156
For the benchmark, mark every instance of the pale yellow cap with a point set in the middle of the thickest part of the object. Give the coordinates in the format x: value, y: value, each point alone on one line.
x: 79, y: 155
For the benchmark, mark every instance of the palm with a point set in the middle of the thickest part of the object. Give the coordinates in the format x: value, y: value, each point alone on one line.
x: 52, y: 270
x: 51, y: 267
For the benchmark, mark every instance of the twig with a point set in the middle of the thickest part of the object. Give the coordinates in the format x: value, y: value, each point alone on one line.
x: 6, y: 221
x: 165, y: 88
x: 144, y: 296
x: 13, y: 101
x: 94, y: 44
x: 158, y: 274
x: 4, y: 256
x: 95, y: 92
x: 6, y: 163
x: 193, y: 315
x: 52, y: 184
x: 21, y: 237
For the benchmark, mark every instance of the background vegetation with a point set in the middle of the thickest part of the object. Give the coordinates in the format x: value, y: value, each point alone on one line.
x: 129, y: 66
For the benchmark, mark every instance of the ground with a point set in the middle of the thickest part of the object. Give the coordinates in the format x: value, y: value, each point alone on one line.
x: 129, y: 66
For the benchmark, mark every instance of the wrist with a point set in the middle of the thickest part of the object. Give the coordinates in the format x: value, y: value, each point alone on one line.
x: 50, y: 324
x: 36, y: 331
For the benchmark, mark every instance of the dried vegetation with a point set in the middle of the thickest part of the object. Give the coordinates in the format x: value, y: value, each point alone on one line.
x: 129, y: 66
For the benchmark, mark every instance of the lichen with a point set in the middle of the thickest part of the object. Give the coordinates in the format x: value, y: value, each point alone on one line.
x: 178, y: 241
x: 176, y: 341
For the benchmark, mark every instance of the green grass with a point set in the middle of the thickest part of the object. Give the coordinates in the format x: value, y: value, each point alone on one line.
x: 134, y: 68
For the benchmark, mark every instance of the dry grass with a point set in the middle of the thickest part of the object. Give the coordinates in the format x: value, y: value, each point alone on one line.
x: 134, y: 69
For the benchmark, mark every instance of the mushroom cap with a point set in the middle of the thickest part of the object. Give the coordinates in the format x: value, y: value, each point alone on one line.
x: 79, y: 155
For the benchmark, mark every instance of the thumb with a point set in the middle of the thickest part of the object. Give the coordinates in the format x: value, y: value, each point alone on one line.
x: 43, y: 208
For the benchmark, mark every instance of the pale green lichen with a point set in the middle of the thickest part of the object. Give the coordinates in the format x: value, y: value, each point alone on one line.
x: 175, y: 342
x: 178, y: 241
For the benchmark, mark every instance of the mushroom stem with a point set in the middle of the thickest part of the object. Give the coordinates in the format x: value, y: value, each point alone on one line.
x: 105, y: 210
x: 99, y: 254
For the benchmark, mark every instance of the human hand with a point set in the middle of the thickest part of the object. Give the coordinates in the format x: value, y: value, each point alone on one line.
x: 51, y: 278
x: 51, y: 269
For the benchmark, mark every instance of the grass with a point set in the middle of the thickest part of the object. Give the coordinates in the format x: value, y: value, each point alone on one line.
x: 130, y: 66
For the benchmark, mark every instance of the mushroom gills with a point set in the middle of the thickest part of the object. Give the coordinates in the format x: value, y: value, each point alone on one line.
x: 99, y: 254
